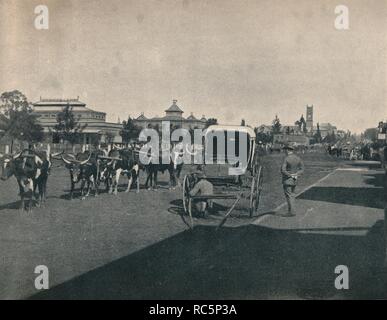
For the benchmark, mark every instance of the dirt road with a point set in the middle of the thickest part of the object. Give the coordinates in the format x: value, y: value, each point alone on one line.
x: 136, y: 245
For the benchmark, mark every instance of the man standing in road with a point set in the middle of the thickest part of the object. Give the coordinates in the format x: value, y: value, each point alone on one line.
x: 291, y: 168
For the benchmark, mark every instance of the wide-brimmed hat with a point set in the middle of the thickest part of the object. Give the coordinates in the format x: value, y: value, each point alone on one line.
x: 199, y: 172
x: 287, y: 146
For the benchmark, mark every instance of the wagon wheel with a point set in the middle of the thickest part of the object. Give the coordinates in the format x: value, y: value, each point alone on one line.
x: 252, y: 198
x: 259, y: 186
x: 255, y: 165
x: 187, y: 203
x: 255, y: 191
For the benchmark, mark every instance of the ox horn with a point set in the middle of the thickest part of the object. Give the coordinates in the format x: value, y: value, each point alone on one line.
x: 17, y: 155
x: 103, y: 157
x: 191, y: 151
x: 116, y: 146
x: 85, y: 161
x: 72, y: 161
x: 38, y: 160
x: 66, y: 161
x: 108, y: 158
x: 57, y: 154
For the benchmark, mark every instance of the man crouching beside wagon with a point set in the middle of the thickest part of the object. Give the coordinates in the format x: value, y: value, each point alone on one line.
x: 202, y: 187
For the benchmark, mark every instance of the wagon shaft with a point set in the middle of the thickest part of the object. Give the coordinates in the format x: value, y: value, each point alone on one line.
x: 215, y: 196
x: 223, y: 180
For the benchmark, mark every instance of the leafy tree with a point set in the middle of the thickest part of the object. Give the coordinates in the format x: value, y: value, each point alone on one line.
x: 371, y: 134
x: 288, y: 130
x: 262, y: 136
x: 303, y: 124
x: 68, y: 127
x: 18, y: 121
x: 210, y: 122
x: 330, y: 138
x: 317, y: 136
x: 276, y: 125
x: 14, y: 101
x: 129, y: 130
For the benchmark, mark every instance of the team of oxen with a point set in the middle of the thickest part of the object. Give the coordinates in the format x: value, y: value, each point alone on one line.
x: 89, y: 169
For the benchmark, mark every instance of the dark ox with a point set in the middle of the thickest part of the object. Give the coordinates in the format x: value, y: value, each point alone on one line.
x: 173, y: 167
x: 31, y: 170
x: 117, y: 163
x: 82, y: 168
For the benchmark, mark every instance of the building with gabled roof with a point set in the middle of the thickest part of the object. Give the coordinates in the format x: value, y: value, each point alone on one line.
x: 173, y: 114
x: 191, y: 117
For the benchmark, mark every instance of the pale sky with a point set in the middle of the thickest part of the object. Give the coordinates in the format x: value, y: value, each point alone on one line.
x: 221, y: 58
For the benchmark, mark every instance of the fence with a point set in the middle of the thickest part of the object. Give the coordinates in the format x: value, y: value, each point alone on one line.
x: 52, y: 147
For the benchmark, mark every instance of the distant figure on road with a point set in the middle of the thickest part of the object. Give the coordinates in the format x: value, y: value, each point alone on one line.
x: 260, y: 152
x: 291, y: 168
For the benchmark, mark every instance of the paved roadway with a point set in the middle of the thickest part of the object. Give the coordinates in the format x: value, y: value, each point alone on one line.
x: 347, y: 201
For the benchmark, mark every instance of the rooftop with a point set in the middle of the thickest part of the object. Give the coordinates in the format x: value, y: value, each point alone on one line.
x: 171, y: 115
x: 191, y: 117
x: 174, y: 107
x: 142, y: 117
x: 57, y: 105
x: 58, y: 102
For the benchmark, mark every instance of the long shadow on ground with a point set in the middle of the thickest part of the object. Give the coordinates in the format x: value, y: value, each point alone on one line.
x: 366, y: 197
x: 249, y: 262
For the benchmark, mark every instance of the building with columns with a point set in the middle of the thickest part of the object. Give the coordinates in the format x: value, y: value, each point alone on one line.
x: 95, y: 127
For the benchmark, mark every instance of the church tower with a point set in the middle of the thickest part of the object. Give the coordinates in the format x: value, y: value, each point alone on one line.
x: 309, y: 118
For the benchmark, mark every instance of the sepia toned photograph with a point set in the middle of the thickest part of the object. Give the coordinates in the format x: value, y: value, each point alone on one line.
x: 193, y: 150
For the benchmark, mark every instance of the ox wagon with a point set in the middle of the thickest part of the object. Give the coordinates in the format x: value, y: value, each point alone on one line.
x: 244, y: 182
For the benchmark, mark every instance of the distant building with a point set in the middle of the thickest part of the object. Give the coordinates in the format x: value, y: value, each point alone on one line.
x: 264, y: 129
x: 295, y: 133
x: 96, y: 128
x: 327, y: 128
x: 292, y: 130
x: 291, y: 139
x: 174, y: 114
